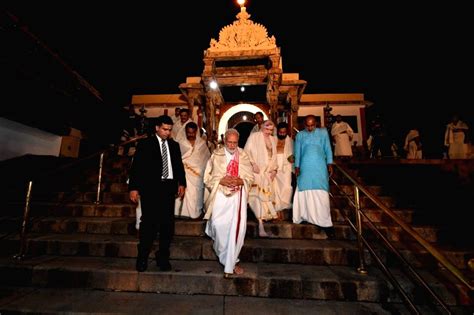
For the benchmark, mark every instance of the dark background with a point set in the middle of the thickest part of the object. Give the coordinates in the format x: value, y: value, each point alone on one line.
x: 413, y: 63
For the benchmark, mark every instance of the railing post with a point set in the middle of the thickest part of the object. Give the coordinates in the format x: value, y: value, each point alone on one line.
x: 26, y: 214
x: 99, y: 182
x: 361, y: 269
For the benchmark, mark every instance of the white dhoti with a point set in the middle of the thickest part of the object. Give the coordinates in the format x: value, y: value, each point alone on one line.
x: 227, y: 227
x: 343, y: 145
x: 312, y: 206
x: 283, y: 189
x: 191, y: 204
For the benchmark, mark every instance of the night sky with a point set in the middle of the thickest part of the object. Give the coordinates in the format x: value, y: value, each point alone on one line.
x: 410, y: 61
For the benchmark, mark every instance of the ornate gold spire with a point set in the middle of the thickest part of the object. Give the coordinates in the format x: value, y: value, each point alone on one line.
x: 243, y: 34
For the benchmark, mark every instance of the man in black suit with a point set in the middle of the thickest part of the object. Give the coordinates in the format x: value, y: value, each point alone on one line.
x: 156, y: 178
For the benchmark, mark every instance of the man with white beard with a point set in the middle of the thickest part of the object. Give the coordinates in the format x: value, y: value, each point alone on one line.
x: 228, y: 178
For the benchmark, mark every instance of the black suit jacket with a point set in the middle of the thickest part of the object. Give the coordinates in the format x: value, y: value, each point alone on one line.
x: 146, y: 170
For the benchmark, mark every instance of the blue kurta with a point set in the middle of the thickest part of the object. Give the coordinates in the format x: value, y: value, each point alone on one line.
x: 312, y: 155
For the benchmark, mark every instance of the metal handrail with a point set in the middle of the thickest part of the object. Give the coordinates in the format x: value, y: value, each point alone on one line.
x: 430, y: 248
x: 361, y: 240
x: 26, y: 212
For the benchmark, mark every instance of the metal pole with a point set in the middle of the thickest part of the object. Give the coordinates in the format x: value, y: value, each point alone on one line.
x: 97, y: 200
x: 26, y: 214
x: 361, y: 269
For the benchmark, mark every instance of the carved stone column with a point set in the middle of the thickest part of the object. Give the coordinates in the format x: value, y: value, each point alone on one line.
x: 273, y: 85
x: 293, y: 100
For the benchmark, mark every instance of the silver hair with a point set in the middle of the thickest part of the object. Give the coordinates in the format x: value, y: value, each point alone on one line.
x: 268, y: 122
x: 230, y: 132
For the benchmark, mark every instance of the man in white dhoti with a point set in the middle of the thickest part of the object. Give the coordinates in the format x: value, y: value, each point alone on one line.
x: 285, y: 159
x: 313, y: 159
x: 455, y: 138
x: 178, y: 133
x: 195, y: 154
x: 261, y: 149
x: 413, y: 145
x: 342, y: 135
x: 228, y: 178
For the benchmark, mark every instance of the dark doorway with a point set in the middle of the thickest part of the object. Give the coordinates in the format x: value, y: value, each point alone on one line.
x: 244, y: 129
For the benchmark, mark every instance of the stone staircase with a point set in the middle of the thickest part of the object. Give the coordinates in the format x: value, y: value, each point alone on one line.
x: 87, y: 251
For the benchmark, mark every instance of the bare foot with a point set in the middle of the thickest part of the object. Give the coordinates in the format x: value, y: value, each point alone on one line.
x: 238, y: 270
x: 262, y: 233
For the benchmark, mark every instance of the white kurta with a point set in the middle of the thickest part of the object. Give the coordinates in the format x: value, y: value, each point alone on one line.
x: 342, y: 134
x: 262, y: 193
x: 194, y: 161
x: 282, y: 182
x: 312, y: 206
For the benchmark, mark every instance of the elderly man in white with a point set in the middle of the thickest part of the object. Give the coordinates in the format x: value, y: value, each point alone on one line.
x: 194, y: 153
x: 342, y: 135
x: 228, y: 178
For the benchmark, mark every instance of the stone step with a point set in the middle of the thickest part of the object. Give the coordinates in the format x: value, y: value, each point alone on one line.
x: 349, y: 189
x: 206, y: 277
x: 122, y: 196
x: 197, y: 277
x: 279, y: 229
x: 20, y: 300
x: 127, y: 209
x: 339, y: 201
x: 82, y: 197
x: 316, y: 252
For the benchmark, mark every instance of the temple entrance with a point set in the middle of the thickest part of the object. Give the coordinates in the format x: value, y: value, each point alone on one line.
x: 244, y: 129
x: 241, y: 114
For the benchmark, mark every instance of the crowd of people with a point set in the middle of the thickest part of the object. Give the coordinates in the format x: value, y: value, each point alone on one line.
x: 180, y: 172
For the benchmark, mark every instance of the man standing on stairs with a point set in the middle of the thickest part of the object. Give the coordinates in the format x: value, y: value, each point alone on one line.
x: 228, y: 178
x: 342, y: 134
x: 285, y: 159
x: 313, y: 159
x: 156, y: 178
x: 195, y: 154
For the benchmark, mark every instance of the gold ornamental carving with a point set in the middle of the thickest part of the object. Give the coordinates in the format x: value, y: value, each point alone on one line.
x: 243, y: 34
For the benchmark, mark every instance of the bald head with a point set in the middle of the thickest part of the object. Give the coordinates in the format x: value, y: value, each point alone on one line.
x: 310, y: 122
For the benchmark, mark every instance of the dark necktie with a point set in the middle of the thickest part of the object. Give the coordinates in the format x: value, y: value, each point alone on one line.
x: 164, y: 158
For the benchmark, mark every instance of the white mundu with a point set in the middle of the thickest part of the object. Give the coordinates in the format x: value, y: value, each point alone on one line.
x: 226, y: 209
x: 194, y: 161
x: 342, y: 134
x: 282, y: 182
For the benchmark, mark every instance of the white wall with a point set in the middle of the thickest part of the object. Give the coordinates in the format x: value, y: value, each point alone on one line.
x: 343, y: 110
x: 17, y: 140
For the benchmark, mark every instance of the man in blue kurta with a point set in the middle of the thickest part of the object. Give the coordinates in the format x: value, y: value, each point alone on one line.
x: 313, y: 159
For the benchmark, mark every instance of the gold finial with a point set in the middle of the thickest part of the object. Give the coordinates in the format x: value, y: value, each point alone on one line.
x: 241, y: 2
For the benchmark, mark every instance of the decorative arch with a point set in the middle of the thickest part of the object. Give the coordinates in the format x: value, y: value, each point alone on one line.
x: 235, y: 109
